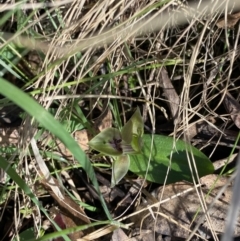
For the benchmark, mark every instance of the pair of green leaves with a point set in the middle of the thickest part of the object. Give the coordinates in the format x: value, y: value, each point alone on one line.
x: 120, y: 144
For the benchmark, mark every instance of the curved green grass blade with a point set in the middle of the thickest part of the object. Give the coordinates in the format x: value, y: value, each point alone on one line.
x: 53, y: 235
x: 20, y: 182
x: 28, y: 104
x: 164, y: 149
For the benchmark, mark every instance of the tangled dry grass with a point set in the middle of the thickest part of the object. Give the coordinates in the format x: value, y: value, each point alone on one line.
x: 178, y: 60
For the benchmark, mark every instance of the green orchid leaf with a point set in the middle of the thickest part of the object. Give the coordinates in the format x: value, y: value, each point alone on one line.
x: 119, y: 169
x: 132, y: 134
x: 107, y: 142
x: 165, y: 153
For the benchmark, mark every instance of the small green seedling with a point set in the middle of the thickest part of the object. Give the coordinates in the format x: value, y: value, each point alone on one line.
x: 120, y: 144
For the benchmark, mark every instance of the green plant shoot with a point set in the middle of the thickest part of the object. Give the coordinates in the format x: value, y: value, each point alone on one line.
x: 120, y: 144
x: 132, y: 133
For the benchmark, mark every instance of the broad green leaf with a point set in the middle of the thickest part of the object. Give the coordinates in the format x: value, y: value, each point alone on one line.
x: 132, y: 133
x: 26, y: 235
x: 107, y: 142
x: 119, y: 169
x: 163, y: 150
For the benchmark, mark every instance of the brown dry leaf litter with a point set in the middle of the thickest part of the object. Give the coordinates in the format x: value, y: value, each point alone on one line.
x: 119, y: 235
x: 182, y: 209
x: 81, y: 137
x: 230, y: 21
x: 64, y: 222
x: 233, y: 108
x: 10, y: 136
x: 209, y: 129
x: 104, y: 120
x: 69, y: 212
x: 170, y: 94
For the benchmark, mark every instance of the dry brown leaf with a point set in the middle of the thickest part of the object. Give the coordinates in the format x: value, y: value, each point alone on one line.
x: 233, y: 108
x: 82, y: 139
x: 62, y: 149
x: 209, y: 129
x: 221, y: 163
x: 105, y: 120
x: 12, y: 135
x: 119, y: 235
x: 9, y: 136
x: 45, y: 171
x: 65, y: 222
x: 69, y: 207
x: 183, y: 208
x: 232, y: 19
x: 170, y: 94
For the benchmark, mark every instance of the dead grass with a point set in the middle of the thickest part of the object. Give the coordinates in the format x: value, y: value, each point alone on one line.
x: 174, y: 59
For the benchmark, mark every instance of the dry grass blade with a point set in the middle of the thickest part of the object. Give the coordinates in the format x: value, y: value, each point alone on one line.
x: 99, y: 233
x: 125, y: 31
x: 184, y: 213
x: 4, y: 7
x: 97, y: 61
x: 73, y: 213
x: 45, y: 172
x: 68, y: 206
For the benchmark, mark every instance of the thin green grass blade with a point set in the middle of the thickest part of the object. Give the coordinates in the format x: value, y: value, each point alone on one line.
x: 28, y: 104
x: 20, y: 182
x: 78, y: 228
